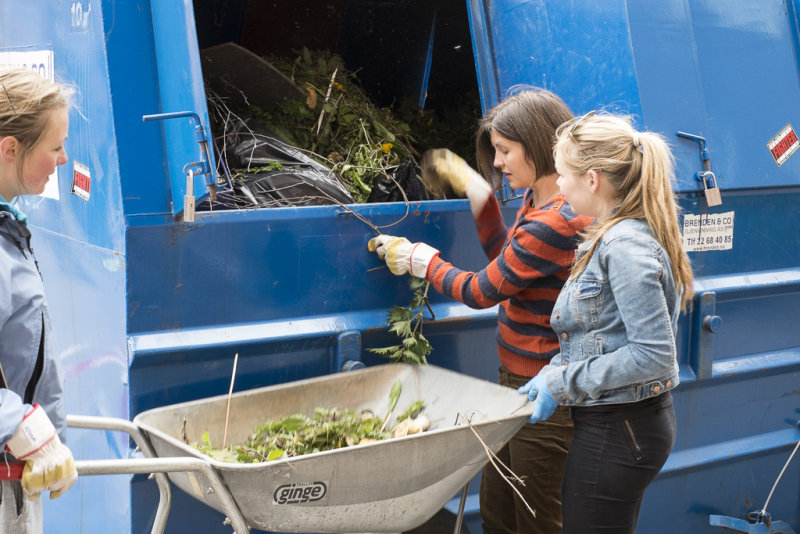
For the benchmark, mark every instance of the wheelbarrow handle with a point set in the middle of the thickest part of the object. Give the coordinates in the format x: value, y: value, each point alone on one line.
x: 151, y: 464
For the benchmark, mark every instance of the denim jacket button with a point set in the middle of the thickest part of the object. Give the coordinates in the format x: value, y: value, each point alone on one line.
x: 669, y: 383
x: 565, y: 364
x: 564, y: 335
x: 556, y: 315
x: 656, y: 389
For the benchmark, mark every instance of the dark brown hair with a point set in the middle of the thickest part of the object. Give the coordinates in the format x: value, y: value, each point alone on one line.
x: 530, y: 117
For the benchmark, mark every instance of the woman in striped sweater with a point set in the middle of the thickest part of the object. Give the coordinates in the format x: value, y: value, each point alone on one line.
x: 529, y: 264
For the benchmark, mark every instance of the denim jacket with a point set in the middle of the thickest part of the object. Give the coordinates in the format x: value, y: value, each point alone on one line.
x: 617, y: 322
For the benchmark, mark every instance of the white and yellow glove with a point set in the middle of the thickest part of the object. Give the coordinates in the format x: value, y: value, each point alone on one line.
x: 442, y: 165
x: 49, y: 465
x: 403, y: 256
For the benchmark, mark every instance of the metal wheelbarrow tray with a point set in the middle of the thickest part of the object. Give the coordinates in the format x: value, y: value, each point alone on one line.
x: 388, y: 486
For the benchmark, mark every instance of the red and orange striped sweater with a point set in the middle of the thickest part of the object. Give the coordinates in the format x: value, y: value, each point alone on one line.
x: 529, y: 265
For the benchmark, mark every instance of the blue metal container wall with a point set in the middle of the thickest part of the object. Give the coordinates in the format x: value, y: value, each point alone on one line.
x: 728, y: 72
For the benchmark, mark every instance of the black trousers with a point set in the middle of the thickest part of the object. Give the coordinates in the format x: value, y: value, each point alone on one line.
x: 616, y: 452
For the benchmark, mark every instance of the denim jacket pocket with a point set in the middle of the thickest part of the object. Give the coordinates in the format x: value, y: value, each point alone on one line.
x: 587, y: 300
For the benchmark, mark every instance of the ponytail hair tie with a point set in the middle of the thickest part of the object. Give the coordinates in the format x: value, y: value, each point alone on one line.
x: 636, y: 140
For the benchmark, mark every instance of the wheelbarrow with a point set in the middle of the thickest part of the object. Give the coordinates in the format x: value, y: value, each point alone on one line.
x: 392, y: 485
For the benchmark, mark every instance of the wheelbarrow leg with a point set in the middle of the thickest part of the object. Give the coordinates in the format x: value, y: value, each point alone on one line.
x: 461, y: 505
x: 122, y: 425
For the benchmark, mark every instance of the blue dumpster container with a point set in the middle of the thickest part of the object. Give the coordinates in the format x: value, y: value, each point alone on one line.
x: 150, y: 310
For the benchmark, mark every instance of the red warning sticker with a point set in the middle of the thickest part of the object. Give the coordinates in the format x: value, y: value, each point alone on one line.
x: 81, y: 181
x: 783, y: 145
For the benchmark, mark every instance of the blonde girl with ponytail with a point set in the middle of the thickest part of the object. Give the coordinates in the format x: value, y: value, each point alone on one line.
x: 616, y: 318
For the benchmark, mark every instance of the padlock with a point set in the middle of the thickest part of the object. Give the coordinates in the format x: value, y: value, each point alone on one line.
x: 713, y: 197
x: 188, y: 198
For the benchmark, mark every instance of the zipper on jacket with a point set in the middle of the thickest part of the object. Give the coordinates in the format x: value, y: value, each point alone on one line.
x: 637, y: 449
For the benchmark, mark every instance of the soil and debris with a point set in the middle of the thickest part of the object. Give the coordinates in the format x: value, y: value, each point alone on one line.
x: 314, y: 137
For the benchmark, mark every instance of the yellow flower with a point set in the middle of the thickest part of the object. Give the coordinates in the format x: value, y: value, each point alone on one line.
x: 386, y: 147
x: 337, y: 85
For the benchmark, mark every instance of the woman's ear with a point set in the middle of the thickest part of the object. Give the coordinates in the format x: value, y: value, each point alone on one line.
x: 9, y: 148
x: 593, y: 177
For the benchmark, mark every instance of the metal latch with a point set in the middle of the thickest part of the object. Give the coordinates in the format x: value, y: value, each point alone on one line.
x: 710, y: 188
x: 202, y: 168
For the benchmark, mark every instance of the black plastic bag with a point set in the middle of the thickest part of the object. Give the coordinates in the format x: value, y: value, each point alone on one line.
x: 386, y: 189
x: 300, y: 182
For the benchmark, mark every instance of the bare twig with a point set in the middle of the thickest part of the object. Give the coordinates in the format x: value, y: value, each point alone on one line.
x: 327, y: 97
x: 495, y: 461
x: 230, y: 392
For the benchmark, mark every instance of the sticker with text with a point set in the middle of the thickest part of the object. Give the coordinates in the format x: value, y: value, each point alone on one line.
x: 81, y: 181
x: 783, y: 145
x: 709, y: 231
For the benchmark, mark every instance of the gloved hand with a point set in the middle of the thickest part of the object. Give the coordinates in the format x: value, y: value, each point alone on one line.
x: 48, y: 463
x: 403, y: 256
x: 442, y: 165
x: 537, y: 391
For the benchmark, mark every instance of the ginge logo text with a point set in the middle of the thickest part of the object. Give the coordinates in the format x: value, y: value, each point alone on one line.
x: 299, y: 493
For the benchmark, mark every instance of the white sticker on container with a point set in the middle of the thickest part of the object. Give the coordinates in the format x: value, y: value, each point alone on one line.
x: 711, y: 231
x: 783, y: 145
x: 81, y: 180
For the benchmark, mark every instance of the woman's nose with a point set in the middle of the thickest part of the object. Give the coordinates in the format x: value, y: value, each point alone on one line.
x: 62, y: 157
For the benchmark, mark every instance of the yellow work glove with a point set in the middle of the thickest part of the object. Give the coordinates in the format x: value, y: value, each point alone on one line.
x: 440, y: 165
x: 49, y: 465
x: 403, y: 256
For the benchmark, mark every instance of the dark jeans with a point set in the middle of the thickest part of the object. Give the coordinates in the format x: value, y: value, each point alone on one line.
x: 536, y: 454
x: 616, y: 451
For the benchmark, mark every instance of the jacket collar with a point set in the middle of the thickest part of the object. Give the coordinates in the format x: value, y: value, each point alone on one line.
x: 13, y: 210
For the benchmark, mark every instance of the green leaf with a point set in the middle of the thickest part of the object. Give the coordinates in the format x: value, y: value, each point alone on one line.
x: 394, y: 394
x: 401, y: 328
x: 274, y: 454
x: 412, y: 411
x: 417, y: 283
x: 385, y: 351
x: 412, y: 356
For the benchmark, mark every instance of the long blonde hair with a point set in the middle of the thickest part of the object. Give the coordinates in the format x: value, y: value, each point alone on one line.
x: 639, y: 166
x: 25, y: 102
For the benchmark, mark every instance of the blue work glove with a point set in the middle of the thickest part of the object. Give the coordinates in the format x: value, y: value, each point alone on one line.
x: 536, y: 390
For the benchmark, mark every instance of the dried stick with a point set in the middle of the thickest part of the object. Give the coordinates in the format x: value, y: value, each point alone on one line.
x: 495, y: 460
x: 230, y: 392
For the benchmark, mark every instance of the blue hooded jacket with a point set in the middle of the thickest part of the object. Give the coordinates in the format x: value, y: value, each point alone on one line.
x: 24, y: 325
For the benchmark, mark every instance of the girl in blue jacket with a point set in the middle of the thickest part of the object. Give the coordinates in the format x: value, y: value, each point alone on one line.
x: 616, y: 318
x: 33, y: 127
